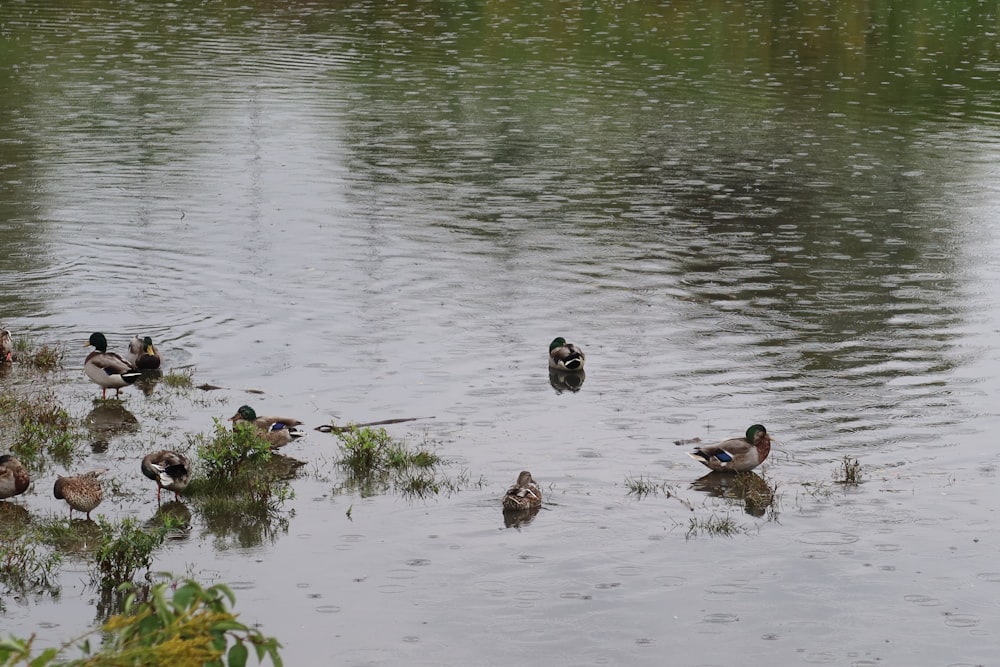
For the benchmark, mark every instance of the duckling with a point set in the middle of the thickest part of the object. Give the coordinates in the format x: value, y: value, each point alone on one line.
x: 736, y: 454
x: 170, y: 471
x: 81, y: 492
x: 143, y: 354
x: 525, y: 494
x: 108, y: 369
x: 565, y: 356
x: 14, y: 479
x: 279, y: 431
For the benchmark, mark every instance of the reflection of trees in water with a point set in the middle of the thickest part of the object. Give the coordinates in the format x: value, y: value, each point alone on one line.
x: 746, y: 488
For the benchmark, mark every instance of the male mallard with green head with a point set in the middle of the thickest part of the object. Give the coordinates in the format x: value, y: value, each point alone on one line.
x: 279, y: 431
x: 108, y: 369
x: 524, y: 495
x: 143, y: 354
x: 14, y: 479
x: 81, y: 492
x: 6, y: 346
x: 736, y: 454
x: 565, y: 356
x: 170, y: 471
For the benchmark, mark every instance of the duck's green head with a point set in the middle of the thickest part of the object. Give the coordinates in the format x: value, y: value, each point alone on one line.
x: 752, y: 431
x: 147, y: 343
x: 247, y: 413
x: 558, y: 342
x: 98, y: 340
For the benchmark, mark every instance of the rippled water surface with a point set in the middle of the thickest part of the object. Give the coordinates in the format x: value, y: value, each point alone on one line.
x: 765, y: 212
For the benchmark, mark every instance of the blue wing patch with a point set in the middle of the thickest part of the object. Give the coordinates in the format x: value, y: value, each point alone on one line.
x: 724, y: 456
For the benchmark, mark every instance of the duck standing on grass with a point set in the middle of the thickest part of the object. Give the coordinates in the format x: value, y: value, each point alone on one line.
x: 565, y: 356
x: 524, y: 495
x: 170, y: 471
x: 736, y: 454
x: 108, y: 369
x: 6, y: 346
x: 14, y: 479
x: 143, y: 354
x: 279, y: 431
x: 82, y: 492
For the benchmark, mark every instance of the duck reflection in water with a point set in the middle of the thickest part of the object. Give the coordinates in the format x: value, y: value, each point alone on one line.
x: 175, y: 514
x: 748, y: 488
x: 570, y: 381
x: 518, y: 518
x: 109, y: 419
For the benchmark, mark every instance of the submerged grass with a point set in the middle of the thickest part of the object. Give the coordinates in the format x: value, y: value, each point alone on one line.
x: 641, y: 487
x: 35, y: 427
x: 713, y: 526
x: 179, y: 379
x: 849, y: 472
x: 376, y: 463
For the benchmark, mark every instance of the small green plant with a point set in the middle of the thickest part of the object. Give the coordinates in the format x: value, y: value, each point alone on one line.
x: 125, y: 548
x: 39, y: 427
x: 643, y: 486
x: 713, y: 526
x: 179, y: 379
x: 43, y: 357
x: 193, y: 626
x: 368, y: 451
x: 24, y: 565
x: 849, y: 472
x: 229, y: 451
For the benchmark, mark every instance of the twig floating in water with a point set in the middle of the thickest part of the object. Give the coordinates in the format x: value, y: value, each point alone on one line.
x: 333, y: 428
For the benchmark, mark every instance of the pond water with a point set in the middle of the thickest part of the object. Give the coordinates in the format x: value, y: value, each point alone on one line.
x: 755, y: 212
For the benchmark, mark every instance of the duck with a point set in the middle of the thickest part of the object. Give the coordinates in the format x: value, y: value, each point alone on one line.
x: 736, y: 454
x: 565, y: 356
x: 81, y: 492
x: 143, y: 354
x: 170, y: 471
x: 279, y: 431
x: 524, y: 495
x: 108, y: 369
x: 6, y: 346
x: 14, y: 478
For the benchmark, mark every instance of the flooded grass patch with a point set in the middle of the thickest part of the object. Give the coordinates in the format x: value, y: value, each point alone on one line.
x: 377, y: 463
x: 179, y: 379
x: 714, y: 525
x: 641, y: 486
x: 36, y: 428
x: 42, y: 357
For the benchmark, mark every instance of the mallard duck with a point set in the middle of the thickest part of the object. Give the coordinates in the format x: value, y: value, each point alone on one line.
x: 524, y: 495
x: 565, y: 356
x: 170, y: 471
x: 82, y: 492
x: 108, y: 369
x: 736, y: 454
x: 143, y: 354
x: 279, y: 431
x: 6, y: 346
x: 14, y: 479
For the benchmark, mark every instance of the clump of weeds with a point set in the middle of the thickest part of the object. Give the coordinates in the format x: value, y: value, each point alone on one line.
x: 240, y: 485
x: 42, y: 357
x: 179, y: 379
x: 38, y: 428
x: 376, y: 462
x: 849, y: 472
x: 640, y: 487
x: 714, y: 526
